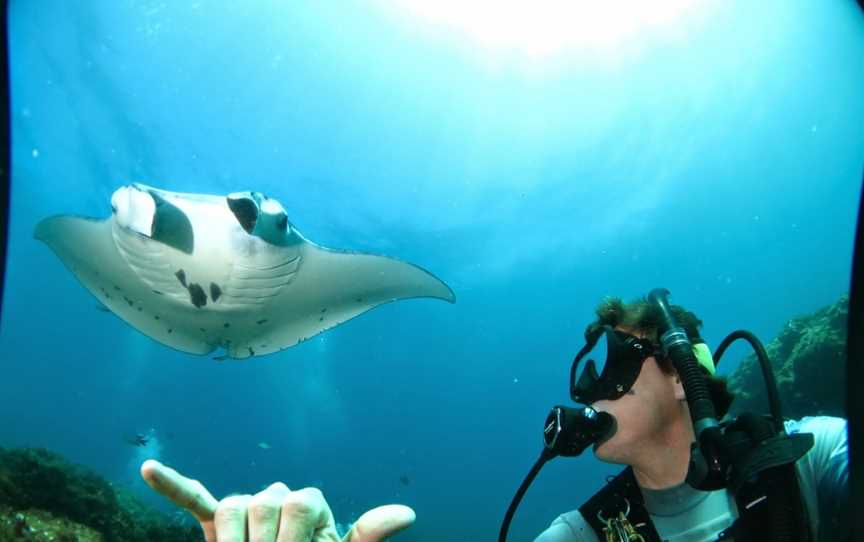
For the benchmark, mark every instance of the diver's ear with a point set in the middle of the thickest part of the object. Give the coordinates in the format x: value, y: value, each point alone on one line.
x: 678, y: 387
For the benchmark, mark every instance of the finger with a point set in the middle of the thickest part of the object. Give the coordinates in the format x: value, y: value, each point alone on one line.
x: 230, y: 518
x: 381, y: 523
x: 303, y: 513
x: 182, y: 491
x: 264, y: 512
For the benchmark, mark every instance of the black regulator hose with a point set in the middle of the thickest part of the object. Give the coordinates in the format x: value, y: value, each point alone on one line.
x: 708, y: 455
x: 678, y: 348
x: 567, y: 432
x: 764, y: 363
x: 545, y: 456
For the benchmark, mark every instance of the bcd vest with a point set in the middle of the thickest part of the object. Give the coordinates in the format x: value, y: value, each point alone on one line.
x: 763, y: 480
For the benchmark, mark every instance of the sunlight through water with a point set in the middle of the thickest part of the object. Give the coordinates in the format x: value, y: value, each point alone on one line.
x: 546, y: 27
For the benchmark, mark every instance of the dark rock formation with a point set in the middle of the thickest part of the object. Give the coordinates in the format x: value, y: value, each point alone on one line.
x: 44, y: 497
x: 809, y: 362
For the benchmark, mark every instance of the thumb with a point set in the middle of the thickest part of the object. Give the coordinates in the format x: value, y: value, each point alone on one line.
x: 380, y: 523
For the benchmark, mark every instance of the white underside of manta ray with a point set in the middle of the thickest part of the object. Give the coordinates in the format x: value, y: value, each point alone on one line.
x: 199, y: 272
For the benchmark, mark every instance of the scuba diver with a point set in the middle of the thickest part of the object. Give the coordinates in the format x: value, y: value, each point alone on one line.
x: 652, y: 402
x: 775, y: 479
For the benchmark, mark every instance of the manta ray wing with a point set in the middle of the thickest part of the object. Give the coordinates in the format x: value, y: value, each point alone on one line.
x: 330, y: 288
x: 87, y: 247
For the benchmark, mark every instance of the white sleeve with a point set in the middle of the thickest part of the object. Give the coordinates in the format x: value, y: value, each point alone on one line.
x: 569, y: 527
x: 824, y: 475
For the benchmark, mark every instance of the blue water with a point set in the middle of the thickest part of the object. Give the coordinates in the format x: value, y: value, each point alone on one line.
x: 718, y: 154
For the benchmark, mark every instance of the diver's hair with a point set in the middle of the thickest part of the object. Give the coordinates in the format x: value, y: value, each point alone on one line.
x: 645, y: 317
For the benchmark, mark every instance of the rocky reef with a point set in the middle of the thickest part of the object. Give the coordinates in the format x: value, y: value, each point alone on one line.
x: 809, y: 362
x: 44, y: 498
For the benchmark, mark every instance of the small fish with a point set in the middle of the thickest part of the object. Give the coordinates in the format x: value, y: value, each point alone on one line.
x: 263, y: 445
x: 139, y: 440
x: 405, y: 480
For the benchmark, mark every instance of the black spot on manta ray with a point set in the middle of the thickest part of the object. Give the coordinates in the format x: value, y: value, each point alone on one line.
x: 215, y: 291
x: 197, y: 295
x: 259, y: 322
x: 181, y: 276
x: 128, y: 301
x: 157, y: 292
x: 227, y: 324
x: 251, y: 352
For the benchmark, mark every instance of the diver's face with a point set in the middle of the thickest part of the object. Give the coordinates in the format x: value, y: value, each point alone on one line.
x: 641, y: 414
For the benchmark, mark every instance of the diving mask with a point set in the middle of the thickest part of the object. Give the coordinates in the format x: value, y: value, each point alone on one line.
x: 615, y: 363
x: 613, y: 367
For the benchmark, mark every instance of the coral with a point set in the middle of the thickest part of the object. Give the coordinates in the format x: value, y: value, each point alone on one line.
x: 40, y: 492
x: 808, y: 359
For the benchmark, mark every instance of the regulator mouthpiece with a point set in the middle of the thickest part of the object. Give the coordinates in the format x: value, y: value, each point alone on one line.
x: 568, y: 431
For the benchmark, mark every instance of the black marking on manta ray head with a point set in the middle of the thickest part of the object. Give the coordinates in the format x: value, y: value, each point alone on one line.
x: 245, y: 211
x: 197, y: 295
x: 215, y: 291
x: 171, y: 226
x: 259, y: 322
x: 181, y: 276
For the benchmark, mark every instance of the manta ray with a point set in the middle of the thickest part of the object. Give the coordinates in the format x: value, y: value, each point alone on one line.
x: 199, y: 272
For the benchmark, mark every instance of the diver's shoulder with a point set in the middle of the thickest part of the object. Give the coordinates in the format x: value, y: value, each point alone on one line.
x: 568, y: 527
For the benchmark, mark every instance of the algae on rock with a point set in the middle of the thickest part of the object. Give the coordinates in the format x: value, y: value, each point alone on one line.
x: 808, y: 358
x: 41, y: 492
